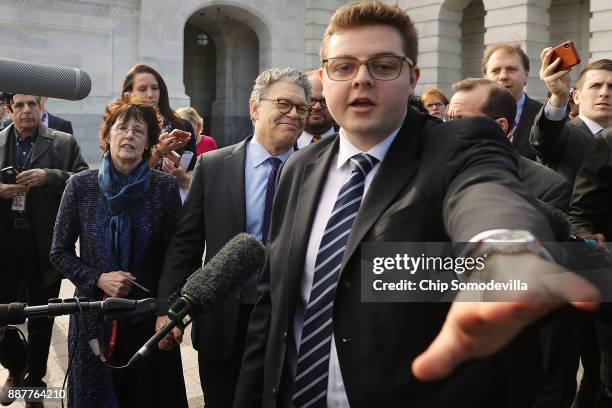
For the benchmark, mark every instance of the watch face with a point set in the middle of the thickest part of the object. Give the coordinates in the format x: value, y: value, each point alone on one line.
x: 512, y: 236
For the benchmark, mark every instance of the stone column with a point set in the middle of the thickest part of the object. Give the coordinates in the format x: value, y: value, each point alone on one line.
x: 161, y: 45
x: 600, y: 44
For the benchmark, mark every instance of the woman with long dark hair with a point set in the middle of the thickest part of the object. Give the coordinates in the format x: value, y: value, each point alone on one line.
x: 177, y: 136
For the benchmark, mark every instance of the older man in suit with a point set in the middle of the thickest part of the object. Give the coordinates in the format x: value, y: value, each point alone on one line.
x: 559, y: 143
x: 45, y: 159
x: 392, y: 175
x: 231, y: 192
x: 508, y: 65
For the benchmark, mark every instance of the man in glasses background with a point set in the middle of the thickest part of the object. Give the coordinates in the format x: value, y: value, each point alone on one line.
x: 231, y: 192
x: 320, y: 123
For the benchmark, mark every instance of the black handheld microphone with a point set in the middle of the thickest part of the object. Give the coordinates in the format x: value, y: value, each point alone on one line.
x: 16, y: 313
x: 223, y: 274
x: 29, y: 78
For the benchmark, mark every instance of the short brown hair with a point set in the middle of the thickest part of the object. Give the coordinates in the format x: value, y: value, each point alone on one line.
x: 434, y: 93
x: 499, y: 103
x: 128, y: 107
x: 604, y: 64
x: 506, y: 49
x: 368, y: 13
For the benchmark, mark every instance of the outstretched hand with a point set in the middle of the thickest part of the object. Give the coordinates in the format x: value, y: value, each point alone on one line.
x: 478, y: 329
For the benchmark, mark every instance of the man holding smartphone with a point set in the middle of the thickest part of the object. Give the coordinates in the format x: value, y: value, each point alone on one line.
x: 44, y: 159
x: 559, y: 143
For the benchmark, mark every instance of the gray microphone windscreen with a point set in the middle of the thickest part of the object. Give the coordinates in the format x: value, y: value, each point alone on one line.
x: 29, y: 78
x: 241, y: 257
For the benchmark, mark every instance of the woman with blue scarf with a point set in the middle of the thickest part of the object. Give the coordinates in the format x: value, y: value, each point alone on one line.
x: 124, y: 216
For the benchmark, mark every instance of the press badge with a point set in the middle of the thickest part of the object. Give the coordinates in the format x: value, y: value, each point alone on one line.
x: 19, y: 202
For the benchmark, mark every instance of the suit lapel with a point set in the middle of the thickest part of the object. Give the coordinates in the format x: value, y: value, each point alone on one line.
x: 234, y: 177
x: 397, y: 169
x: 581, y: 127
x: 42, y: 144
x: 312, y: 180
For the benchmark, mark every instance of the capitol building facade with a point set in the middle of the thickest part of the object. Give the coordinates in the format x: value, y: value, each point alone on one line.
x: 209, y: 52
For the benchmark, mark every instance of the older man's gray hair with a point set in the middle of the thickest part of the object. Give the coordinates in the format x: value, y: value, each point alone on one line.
x: 272, y: 75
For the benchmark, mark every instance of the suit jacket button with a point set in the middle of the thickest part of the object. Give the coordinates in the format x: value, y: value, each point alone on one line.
x: 285, y: 337
x: 274, y: 393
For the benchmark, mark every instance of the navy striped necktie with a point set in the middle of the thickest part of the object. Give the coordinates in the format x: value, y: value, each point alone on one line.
x: 310, y: 387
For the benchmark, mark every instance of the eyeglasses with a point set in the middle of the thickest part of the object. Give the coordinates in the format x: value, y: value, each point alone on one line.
x: 124, y: 130
x: 313, y: 102
x: 285, y: 106
x: 382, y: 68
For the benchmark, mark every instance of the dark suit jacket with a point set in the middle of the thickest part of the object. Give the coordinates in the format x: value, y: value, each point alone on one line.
x: 59, y: 154
x: 57, y: 123
x: 438, y: 182
x: 213, y: 213
x: 545, y: 184
x: 520, y: 140
x: 592, y: 199
x: 561, y: 145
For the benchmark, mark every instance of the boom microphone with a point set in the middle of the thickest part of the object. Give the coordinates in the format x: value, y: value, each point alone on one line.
x: 224, y: 273
x: 16, y: 313
x: 29, y: 78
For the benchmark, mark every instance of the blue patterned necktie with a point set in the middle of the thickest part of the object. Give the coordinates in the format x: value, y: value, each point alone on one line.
x: 310, y: 386
x: 275, y: 162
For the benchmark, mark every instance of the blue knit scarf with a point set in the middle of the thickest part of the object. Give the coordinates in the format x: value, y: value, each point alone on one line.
x: 121, y: 193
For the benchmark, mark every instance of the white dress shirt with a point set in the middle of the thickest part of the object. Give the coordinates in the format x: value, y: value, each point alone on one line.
x: 338, y: 174
x: 306, y: 138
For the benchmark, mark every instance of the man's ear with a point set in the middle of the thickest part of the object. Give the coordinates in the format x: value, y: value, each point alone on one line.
x: 576, y: 97
x: 253, y: 107
x: 415, y: 74
x: 503, y: 123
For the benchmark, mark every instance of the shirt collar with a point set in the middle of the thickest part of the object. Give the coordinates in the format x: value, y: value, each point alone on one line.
x: 348, y: 150
x: 521, y: 102
x: 18, y: 137
x: 593, y: 126
x: 258, y: 154
x: 328, y: 132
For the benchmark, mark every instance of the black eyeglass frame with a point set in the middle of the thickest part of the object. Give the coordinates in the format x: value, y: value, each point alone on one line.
x: 291, y: 106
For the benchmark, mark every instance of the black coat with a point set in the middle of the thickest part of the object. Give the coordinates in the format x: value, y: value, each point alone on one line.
x: 57, y: 123
x: 592, y: 198
x: 213, y: 213
x: 561, y: 145
x: 438, y: 182
x: 59, y: 154
x: 520, y: 140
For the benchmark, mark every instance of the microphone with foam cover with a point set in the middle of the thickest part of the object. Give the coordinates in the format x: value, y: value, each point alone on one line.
x: 227, y: 271
x: 29, y: 78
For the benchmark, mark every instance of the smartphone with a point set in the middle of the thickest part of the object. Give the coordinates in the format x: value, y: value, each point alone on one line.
x: 8, y: 175
x: 568, y: 54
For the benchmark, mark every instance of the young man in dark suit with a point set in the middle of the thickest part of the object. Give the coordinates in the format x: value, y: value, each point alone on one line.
x: 508, y: 65
x: 231, y: 192
x: 391, y: 175
x: 558, y: 142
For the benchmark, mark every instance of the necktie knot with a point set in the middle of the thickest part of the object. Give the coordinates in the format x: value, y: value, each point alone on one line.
x: 315, y: 138
x: 275, y: 162
x: 362, y: 163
